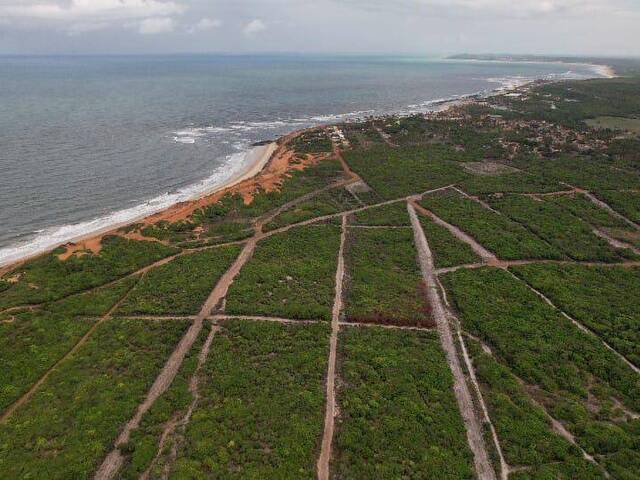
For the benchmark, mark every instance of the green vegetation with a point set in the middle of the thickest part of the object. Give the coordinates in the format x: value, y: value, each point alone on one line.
x: 144, y: 443
x: 559, y: 228
x: 507, y: 239
x: 399, y: 172
x: 385, y: 284
x: 398, y: 414
x: 312, y: 142
x: 509, y: 183
x: 626, y: 203
x: 579, y: 381
x: 181, y: 286
x: 73, y: 419
x: 446, y: 249
x: 291, y: 275
x: 394, y: 215
x: 326, y: 203
x: 601, y: 298
x: 524, y: 431
x: 48, y: 278
x: 615, y: 123
x: 262, y: 404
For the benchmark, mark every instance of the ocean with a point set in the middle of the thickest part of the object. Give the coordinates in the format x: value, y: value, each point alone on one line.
x: 88, y: 142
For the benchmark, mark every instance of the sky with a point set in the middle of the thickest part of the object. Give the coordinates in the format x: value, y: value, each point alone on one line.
x: 423, y: 27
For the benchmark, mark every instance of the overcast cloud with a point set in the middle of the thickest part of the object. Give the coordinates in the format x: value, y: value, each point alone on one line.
x: 597, y: 27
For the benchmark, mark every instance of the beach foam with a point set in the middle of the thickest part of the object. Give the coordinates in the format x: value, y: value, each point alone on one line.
x: 233, y: 170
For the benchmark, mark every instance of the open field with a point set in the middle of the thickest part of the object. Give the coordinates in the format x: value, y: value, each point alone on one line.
x: 72, y: 421
x: 384, y: 283
x: 504, y: 237
x: 260, y: 415
x: 290, y: 275
x: 399, y: 417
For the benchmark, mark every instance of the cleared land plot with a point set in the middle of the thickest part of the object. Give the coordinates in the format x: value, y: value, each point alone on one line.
x: 181, y: 286
x: 48, y: 278
x: 394, y: 215
x: 615, y: 123
x: 73, y: 419
x: 626, y: 203
x: 399, y: 172
x: 291, y: 275
x: 144, y: 444
x: 603, y: 299
x: 446, y: 249
x: 578, y: 380
x: 580, y: 206
x: 326, y: 203
x: 384, y: 281
x: 398, y: 414
x: 262, y: 406
x: 560, y: 228
x: 507, y: 239
x: 524, y: 431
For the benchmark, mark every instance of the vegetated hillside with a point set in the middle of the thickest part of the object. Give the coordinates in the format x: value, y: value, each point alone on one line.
x: 297, y: 326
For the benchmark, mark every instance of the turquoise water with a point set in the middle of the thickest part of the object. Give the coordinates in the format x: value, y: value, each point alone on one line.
x: 91, y: 141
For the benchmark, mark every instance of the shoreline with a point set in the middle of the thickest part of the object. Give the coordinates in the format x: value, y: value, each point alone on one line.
x: 259, y: 157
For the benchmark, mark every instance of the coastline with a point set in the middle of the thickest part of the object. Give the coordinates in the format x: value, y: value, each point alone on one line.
x: 256, y: 161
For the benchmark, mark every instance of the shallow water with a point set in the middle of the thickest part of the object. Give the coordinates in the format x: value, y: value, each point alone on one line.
x: 91, y: 141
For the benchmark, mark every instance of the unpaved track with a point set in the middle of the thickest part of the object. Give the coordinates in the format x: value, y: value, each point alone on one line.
x: 615, y: 243
x: 259, y: 318
x: 330, y: 413
x: 479, y: 250
x: 576, y: 323
x: 476, y: 199
x: 516, y: 263
x: 387, y: 327
x: 24, y: 398
x: 473, y: 425
x: 608, y: 208
x: 113, y: 462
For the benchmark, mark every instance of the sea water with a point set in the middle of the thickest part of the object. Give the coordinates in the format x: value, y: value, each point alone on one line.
x: 88, y: 142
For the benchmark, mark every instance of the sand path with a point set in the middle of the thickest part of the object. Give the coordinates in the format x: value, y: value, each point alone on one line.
x: 113, y: 462
x: 24, y: 398
x: 472, y: 423
x: 515, y: 263
x: 479, y: 250
x: 331, y: 409
x: 476, y: 199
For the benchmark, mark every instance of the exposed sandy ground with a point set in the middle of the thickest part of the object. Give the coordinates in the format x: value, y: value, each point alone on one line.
x: 473, y: 425
x: 331, y: 409
x: 491, y: 169
x: 113, y: 462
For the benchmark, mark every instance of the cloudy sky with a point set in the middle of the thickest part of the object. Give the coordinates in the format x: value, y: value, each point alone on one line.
x: 596, y: 27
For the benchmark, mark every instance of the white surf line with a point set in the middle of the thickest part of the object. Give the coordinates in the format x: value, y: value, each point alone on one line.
x: 505, y: 468
x: 27, y: 396
x: 482, y: 462
x: 576, y: 323
x: 476, y: 199
x: 113, y: 462
x: 478, y: 249
x: 330, y: 413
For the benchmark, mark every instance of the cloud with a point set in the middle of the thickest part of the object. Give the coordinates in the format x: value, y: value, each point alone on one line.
x: 254, y: 27
x: 153, y: 26
x: 205, y: 25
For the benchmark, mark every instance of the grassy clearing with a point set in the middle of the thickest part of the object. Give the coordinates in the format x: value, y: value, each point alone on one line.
x: 446, y: 249
x: 181, y: 286
x: 615, y: 123
x: 580, y: 206
x: 394, y: 215
x: 601, y: 298
x: 398, y: 414
x: 384, y: 281
x: 626, y: 203
x: 524, y: 431
x: 71, y: 422
x: 262, y: 407
x: 327, y: 203
x: 143, y: 445
x: 560, y: 228
x: 291, y: 275
x: 578, y: 380
x: 507, y: 239
x: 399, y: 172
x: 47, y: 278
